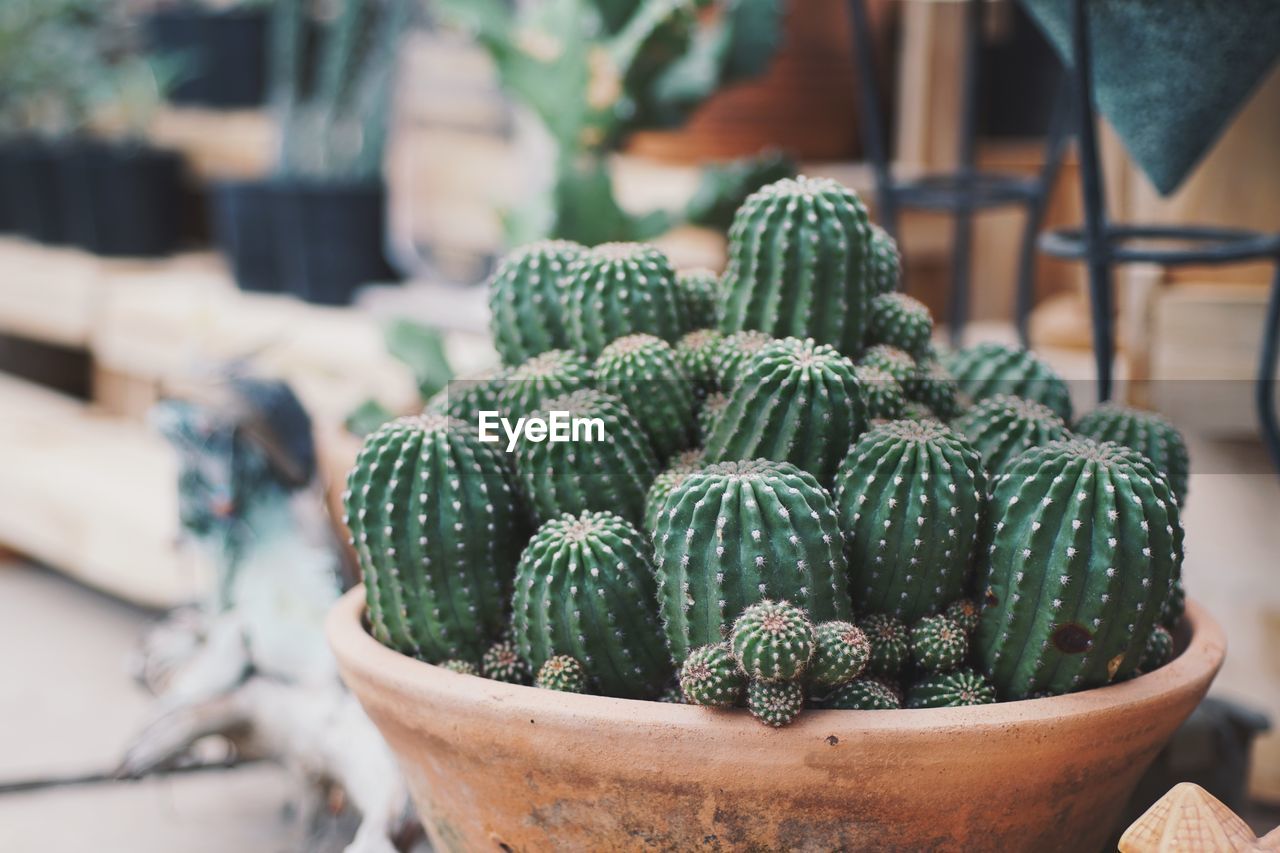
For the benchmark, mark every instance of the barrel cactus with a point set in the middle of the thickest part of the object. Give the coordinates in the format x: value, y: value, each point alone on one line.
x: 775, y: 703
x: 938, y: 644
x: 697, y: 353
x: 553, y: 373
x: 437, y: 529
x: 1146, y: 432
x: 699, y: 292
x: 951, y: 690
x: 1003, y: 426
x: 933, y: 385
x: 735, y: 351
x: 464, y: 399
x: 987, y: 369
x: 890, y: 644
x: 889, y: 359
x: 710, y: 676
x: 886, y: 262
x: 900, y: 321
x: 613, y: 471
x: 910, y: 496
x: 502, y: 662
x: 644, y: 371
x: 800, y: 264
x: 735, y: 533
x: 796, y: 401
x: 461, y: 667
x: 772, y: 641
x: 709, y: 413
x: 667, y: 481
x: 964, y: 612
x: 1085, y: 544
x: 863, y: 694
x: 840, y: 653
x: 881, y: 393
x: 1158, y: 651
x: 564, y: 673
x: 619, y: 289
x: 584, y: 587
x: 525, y: 299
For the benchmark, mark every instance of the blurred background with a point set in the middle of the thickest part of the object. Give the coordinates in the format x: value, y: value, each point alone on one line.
x: 313, y: 191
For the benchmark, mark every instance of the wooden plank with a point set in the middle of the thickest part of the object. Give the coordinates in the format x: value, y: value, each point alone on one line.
x: 47, y: 294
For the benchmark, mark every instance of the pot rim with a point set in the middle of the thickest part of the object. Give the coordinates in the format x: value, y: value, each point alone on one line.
x: 360, y: 656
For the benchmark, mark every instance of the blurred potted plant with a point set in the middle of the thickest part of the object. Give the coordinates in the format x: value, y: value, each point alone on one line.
x: 224, y: 43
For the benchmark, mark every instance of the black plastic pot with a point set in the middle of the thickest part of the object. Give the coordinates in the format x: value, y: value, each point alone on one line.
x: 33, y: 181
x: 135, y: 197
x: 6, y: 217
x: 244, y: 228
x: 331, y: 238
x: 225, y: 54
x: 75, y: 181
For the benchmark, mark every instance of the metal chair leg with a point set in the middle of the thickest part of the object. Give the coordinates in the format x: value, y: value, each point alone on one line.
x: 961, y: 256
x: 1266, y: 384
x: 873, y: 137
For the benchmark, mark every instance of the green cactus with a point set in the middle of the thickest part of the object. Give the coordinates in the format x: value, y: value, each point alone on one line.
x: 987, y: 369
x: 710, y: 676
x: 800, y: 264
x: 464, y: 399
x: 699, y: 293
x: 564, y: 673
x: 697, y: 352
x: 914, y: 410
x: 797, y: 401
x: 900, y: 321
x: 951, y: 690
x: 772, y: 641
x: 584, y: 587
x: 882, y: 394
x: 886, y: 262
x: 775, y: 703
x: 573, y: 476
x: 1146, y: 432
x: 1158, y: 650
x: 672, y: 696
x: 738, y: 532
x: 890, y: 644
x: 864, y: 694
x: 1085, y: 544
x: 964, y: 612
x: 736, y: 350
x: 938, y: 644
x: 502, y: 662
x: 1002, y: 427
x: 620, y: 289
x: 525, y: 299
x: 910, y: 496
x: 896, y: 362
x: 841, y: 652
x: 1175, y: 606
x: 709, y: 413
x: 667, y: 481
x: 437, y: 529
x: 462, y: 667
x: 644, y: 371
x: 934, y: 386
x: 554, y: 373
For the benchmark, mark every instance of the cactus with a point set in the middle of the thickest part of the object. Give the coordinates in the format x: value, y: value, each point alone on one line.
x: 697, y: 352
x: 672, y: 696
x: 584, y: 587
x: 573, y: 476
x: 775, y: 703
x: 890, y: 644
x: 900, y: 321
x: 620, y: 289
x: 502, y: 662
x: 738, y: 532
x: 666, y: 482
x: 525, y: 300
x: 934, y: 386
x: 951, y: 690
x: 699, y: 292
x: 800, y: 264
x: 938, y: 644
x: 563, y: 673
x: 863, y: 694
x: 964, y: 612
x: 550, y: 374
x: 464, y: 399
x: 886, y: 262
x: 881, y: 393
x: 1158, y: 650
x: 735, y: 351
x: 772, y: 641
x: 841, y: 652
x: 709, y: 413
x: 891, y: 360
x: 1001, y: 427
x: 910, y: 496
x: 644, y: 371
x: 914, y: 410
x: 462, y: 667
x: 1085, y: 544
x: 796, y: 401
x: 710, y: 676
x: 1175, y: 606
x: 1146, y: 432
x: 437, y: 529
x: 988, y: 369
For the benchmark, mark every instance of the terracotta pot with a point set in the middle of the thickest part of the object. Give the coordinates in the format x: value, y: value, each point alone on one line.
x: 496, y: 766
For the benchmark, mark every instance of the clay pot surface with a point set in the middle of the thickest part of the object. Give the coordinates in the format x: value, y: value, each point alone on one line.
x: 497, y: 766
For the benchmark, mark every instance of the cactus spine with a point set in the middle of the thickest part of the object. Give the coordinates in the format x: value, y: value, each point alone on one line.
x: 502, y: 662
x: 890, y: 644
x: 841, y: 652
x: 800, y: 264
x: 563, y: 673
x: 710, y: 676
x: 462, y: 667
x: 988, y: 369
x: 910, y: 496
x: 772, y: 641
x: 618, y: 289
x: 1146, y: 432
x: 584, y: 587
x: 938, y: 644
x: 437, y: 529
x: 644, y: 371
x: 1082, y: 559
x: 738, y: 532
x: 1002, y: 427
x: 951, y: 690
x: 699, y: 294
x: 964, y: 612
x: 550, y: 374
x: 525, y: 300
x: 900, y: 321
x: 886, y: 261
x: 775, y: 703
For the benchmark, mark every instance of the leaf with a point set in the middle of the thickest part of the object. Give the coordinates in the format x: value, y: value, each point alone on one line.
x: 723, y: 188
x: 367, y: 417
x: 422, y: 349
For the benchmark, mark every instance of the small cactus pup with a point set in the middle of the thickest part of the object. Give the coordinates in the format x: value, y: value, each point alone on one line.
x: 564, y: 673
x: 611, y: 471
x: 709, y: 413
x: 1158, y: 651
x: 934, y: 386
x: 797, y: 401
x: 1175, y: 606
x: 885, y: 271
x: 951, y: 690
x: 464, y: 399
x: 525, y: 300
x: 1085, y: 544
x: 987, y: 369
x: 710, y: 676
x: 890, y: 644
x: 699, y: 291
x: 644, y: 371
x: 666, y: 482
x: 1146, y: 432
x: 462, y: 667
x: 502, y: 662
x: 437, y: 530
x: 735, y: 351
x: 800, y: 264
x: 964, y: 612
x: 841, y: 653
x: 775, y: 703
x: 863, y: 694
x: 735, y: 533
x: 697, y: 352
x: 881, y: 393
x: 896, y: 362
x: 551, y: 374
x: 900, y: 321
x: 772, y: 641
x: 910, y: 496
x: 619, y: 289
x: 1003, y: 426
x: 585, y: 587
x: 938, y: 644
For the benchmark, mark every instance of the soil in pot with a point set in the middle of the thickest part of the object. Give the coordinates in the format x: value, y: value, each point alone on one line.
x: 331, y: 239
x: 224, y: 54
x: 244, y: 228
x: 32, y: 181
x: 135, y: 198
